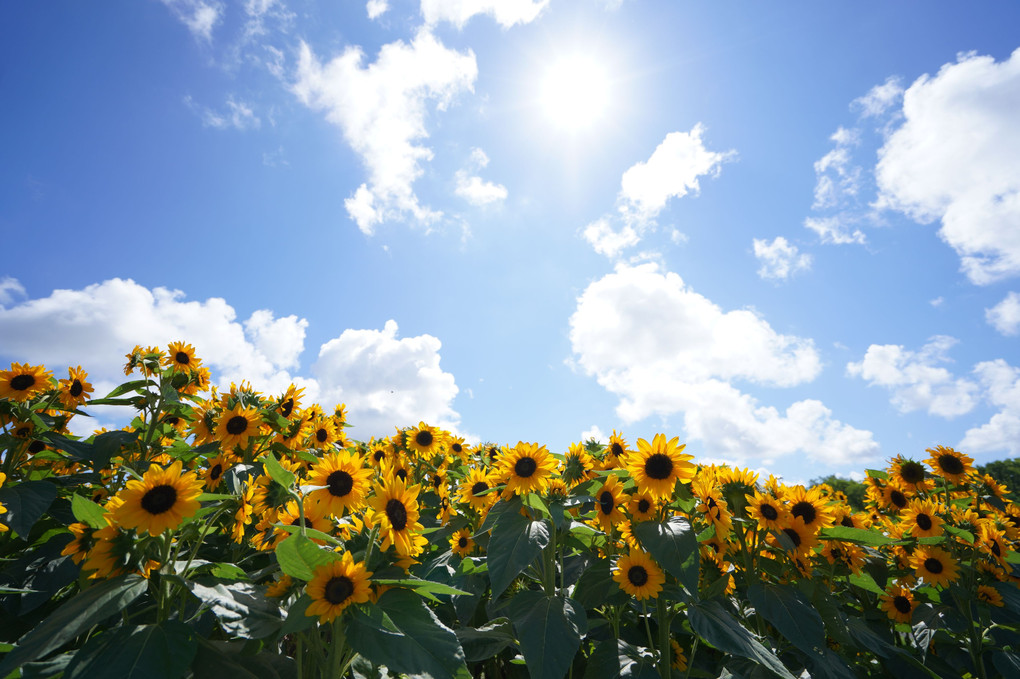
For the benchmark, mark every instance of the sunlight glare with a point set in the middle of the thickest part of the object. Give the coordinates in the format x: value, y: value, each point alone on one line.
x: 575, y: 92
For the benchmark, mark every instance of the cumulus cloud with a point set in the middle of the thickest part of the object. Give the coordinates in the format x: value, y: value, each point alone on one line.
x: 384, y: 380
x: 238, y: 115
x: 672, y: 171
x: 473, y: 188
x: 916, y: 380
x: 953, y: 160
x: 1001, y: 384
x: 381, y: 109
x: 779, y: 259
x: 457, y: 12
x: 199, y: 16
x: 10, y: 290
x: 664, y: 349
x: 376, y: 8
x: 1004, y: 316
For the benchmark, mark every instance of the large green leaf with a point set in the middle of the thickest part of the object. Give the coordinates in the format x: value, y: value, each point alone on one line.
x: 162, y: 651
x: 549, y: 629
x: 515, y: 543
x: 596, y: 586
x: 239, y: 606
x: 791, y: 613
x: 717, y: 626
x: 227, y: 660
x: 674, y: 546
x: 860, y: 536
x: 486, y: 641
x: 1007, y: 664
x: 426, y: 588
x: 76, y: 616
x: 401, y: 632
x: 298, y: 557
x: 26, y: 503
x: 616, y: 659
x: 88, y: 512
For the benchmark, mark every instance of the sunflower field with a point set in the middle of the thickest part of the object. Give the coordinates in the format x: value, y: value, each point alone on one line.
x: 232, y: 534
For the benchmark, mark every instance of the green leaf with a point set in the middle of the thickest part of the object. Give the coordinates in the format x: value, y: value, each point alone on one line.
x: 296, y: 620
x: 675, y: 547
x: 791, y: 613
x: 717, y: 626
x: 239, y: 606
x: 133, y: 385
x: 282, y: 476
x: 484, y: 642
x: 77, y: 615
x: 401, y: 632
x: 26, y: 503
x: 1008, y: 664
x: 144, y: 652
x: 614, y: 659
x: 961, y: 533
x: 227, y: 660
x: 309, y: 532
x: 298, y: 557
x: 108, y: 444
x: 515, y: 543
x: 596, y: 586
x: 866, y: 582
x: 88, y: 512
x: 860, y: 536
x: 549, y: 629
x: 876, y: 473
x: 425, y: 588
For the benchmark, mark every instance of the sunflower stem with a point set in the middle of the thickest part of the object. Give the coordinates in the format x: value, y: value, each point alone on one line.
x: 164, y: 584
x: 662, y: 620
x: 648, y: 631
x: 690, y: 660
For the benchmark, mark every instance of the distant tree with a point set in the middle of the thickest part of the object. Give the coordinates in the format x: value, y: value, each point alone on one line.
x: 1006, y: 472
x: 854, y: 490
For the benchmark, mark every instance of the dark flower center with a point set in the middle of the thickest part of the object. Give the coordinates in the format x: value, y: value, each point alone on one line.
x: 401, y: 474
x: 378, y: 455
x: 643, y: 505
x: 397, y: 514
x: 525, y: 467
x: 76, y: 388
x: 901, y: 603
x: 172, y: 420
x: 637, y: 575
x: 23, y: 382
x: 806, y: 511
x: 321, y: 435
x: 493, y: 452
x: 159, y: 499
x: 847, y: 521
x: 606, y: 502
x: 423, y: 438
x: 182, y: 358
x: 479, y: 487
x: 924, y: 521
x: 288, y: 407
x: 898, y: 499
x: 215, y: 472
x: 950, y: 464
x: 462, y: 542
x: 457, y: 448
x: 793, y: 535
x: 616, y: 450
x: 237, y: 424
x: 933, y: 565
x: 437, y: 480
x: 339, y: 483
x: 995, y: 548
x: 912, y: 472
x: 659, y: 466
x: 338, y: 589
x: 36, y: 446
x: 769, y: 512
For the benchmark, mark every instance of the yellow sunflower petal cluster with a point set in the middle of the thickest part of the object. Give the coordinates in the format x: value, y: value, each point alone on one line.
x: 161, y: 500
x: 337, y: 585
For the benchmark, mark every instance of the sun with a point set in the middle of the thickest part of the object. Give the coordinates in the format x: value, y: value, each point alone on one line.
x: 575, y: 92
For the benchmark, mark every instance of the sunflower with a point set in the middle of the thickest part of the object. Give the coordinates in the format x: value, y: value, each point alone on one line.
x: 323, y: 433
x: 75, y: 390
x: 712, y: 506
x: 951, y: 465
x: 461, y: 542
x: 235, y: 426
x: 638, y: 575
x: 23, y: 381
x: 642, y: 506
x: 770, y: 513
x: 3, y: 510
x: 457, y: 448
x: 846, y: 554
x: 679, y: 660
x: 289, y: 404
x: 615, y: 452
x: 810, y: 506
x: 936, y: 566
x: 526, y: 468
x: 898, y: 603
x: 345, y: 479
x: 83, y: 542
x: 337, y: 585
x: 180, y: 358
x: 214, y: 474
x: 608, y: 500
x: 425, y: 442
x: 989, y: 595
x: 910, y: 473
x: 802, y: 537
x: 279, y: 587
x: 290, y: 515
x: 893, y: 495
x: 922, y: 518
x: 111, y: 553
x: 396, y: 510
x: 578, y: 465
x: 993, y: 542
x: 160, y: 501
x: 657, y: 466
x: 243, y: 515
x: 478, y: 481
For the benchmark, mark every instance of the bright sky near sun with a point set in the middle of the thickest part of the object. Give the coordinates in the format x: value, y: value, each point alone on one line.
x: 788, y: 233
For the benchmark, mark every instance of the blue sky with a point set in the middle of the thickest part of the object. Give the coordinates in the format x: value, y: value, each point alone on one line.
x: 788, y: 234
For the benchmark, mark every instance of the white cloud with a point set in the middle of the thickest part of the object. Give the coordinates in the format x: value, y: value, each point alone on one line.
x: 238, y: 115
x: 199, y: 16
x: 834, y: 230
x: 376, y: 8
x: 879, y: 99
x: 938, y: 301
x: 385, y: 381
x: 915, y: 378
x: 664, y: 349
x: 594, y: 433
x: 1005, y: 316
x: 609, y: 241
x: 381, y: 109
x: 10, y: 290
x: 779, y: 259
x: 457, y: 12
x: 954, y: 159
x: 1001, y: 383
x: 837, y: 178
x: 473, y: 188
